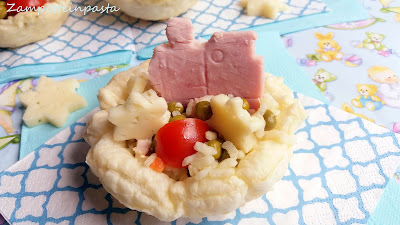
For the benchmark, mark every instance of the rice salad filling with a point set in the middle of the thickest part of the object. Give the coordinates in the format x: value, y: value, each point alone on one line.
x: 243, y: 152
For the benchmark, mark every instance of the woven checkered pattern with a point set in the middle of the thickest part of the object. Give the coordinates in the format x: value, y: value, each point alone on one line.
x: 338, y: 172
x: 94, y: 33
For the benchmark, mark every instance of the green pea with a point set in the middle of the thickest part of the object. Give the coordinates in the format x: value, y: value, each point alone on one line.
x: 270, y: 120
x: 177, y: 117
x: 217, y: 145
x: 246, y: 105
x: 203, y: 110
x: 175, y: 106
x: 224, y: 155
x: 3, y: 11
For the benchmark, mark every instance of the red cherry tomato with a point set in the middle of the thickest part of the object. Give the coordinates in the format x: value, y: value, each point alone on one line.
x: 15, y: 5
x: 175, y: 140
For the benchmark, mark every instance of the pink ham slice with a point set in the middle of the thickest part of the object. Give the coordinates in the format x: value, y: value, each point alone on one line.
x: 177, y: 69
x: 185, y: 69
x: 233, y: 66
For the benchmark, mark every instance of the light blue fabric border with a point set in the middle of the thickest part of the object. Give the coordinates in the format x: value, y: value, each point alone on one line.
x: 341, y: 11
x: 387, y: 212
x: 71, y: 67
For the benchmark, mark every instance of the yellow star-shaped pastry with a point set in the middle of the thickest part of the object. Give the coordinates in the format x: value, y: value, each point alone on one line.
x: 51, y: 102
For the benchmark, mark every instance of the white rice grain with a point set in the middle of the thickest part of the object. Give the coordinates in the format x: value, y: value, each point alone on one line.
x: 189, y: 159
x: 211, y: 135
x: 202, y: 174
x: 150, y: 160
x: 227, y: 163
x: 204, y: 161
x: 178, y: 104
x: 192, y: 170
x: 190, y: 107
x: 232, y: 150
x: 263, y: 107
x: 204, y: 148
x: 176, y: 113
x: 260, y: 133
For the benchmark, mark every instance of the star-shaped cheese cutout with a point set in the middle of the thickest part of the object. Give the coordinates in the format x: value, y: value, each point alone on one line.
x: 234, y: 123
x: 51, y: 102
x: 265, y: 8
x: 140, y: 117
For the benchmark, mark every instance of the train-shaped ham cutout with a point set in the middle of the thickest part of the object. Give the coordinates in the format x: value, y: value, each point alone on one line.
x: 185, y: 68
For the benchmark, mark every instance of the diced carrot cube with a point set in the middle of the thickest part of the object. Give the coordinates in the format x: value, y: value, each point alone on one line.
x: 157, y: 165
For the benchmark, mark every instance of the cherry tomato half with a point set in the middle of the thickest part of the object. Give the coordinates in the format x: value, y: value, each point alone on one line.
x: 175, y: 140
x: 23, y: 5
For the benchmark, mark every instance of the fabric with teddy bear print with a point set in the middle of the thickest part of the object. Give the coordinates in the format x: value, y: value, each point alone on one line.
x: 367, y: 98
x: 363, y: 56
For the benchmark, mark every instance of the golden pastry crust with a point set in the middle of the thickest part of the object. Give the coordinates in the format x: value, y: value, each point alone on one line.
x: 139, y: 187
x: 29, y: 27
x: 153, y: 9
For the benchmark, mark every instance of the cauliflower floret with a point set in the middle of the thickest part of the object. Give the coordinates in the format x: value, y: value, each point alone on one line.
x: 140, y: 117
x: 235, y: 123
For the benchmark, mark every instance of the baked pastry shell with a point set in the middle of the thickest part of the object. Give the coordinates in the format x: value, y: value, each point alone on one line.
x: 29, y: 27
x: 140, y: 188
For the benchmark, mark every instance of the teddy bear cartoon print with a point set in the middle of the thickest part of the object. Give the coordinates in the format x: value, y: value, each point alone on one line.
x: 367, y: 97
x: 161, y: 144
x: 374, y: 41
x: 321, y: 78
